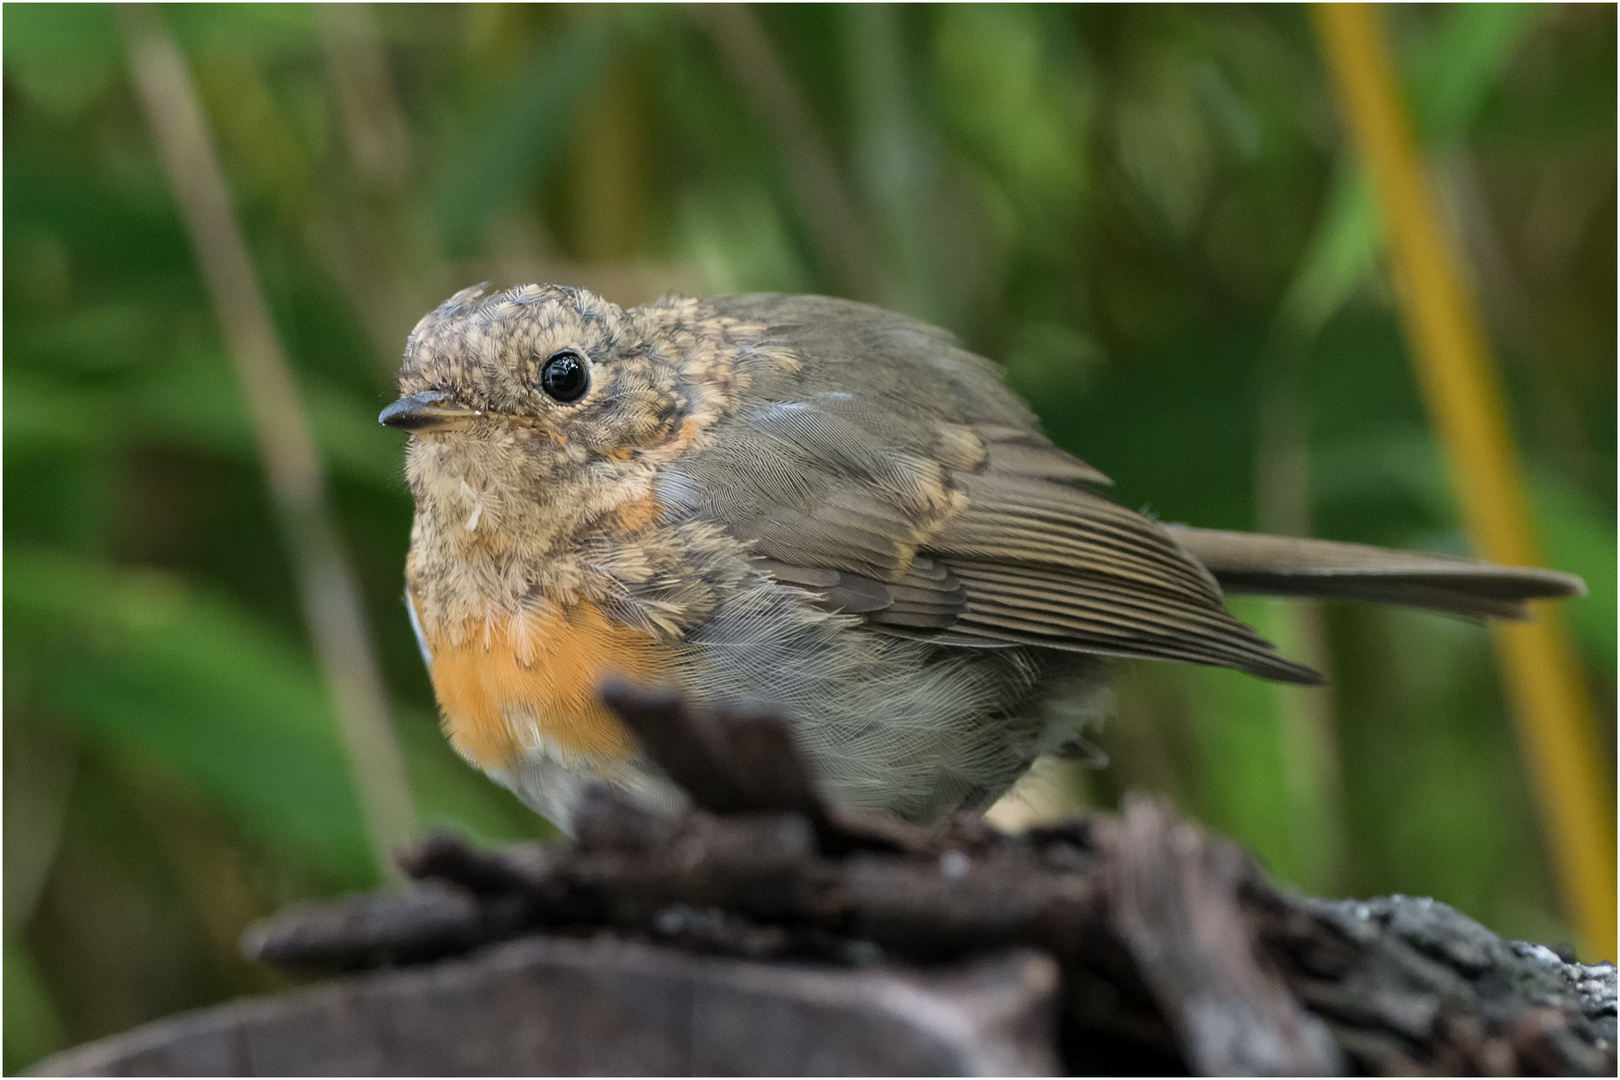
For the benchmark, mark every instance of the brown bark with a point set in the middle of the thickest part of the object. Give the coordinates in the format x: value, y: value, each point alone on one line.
x: 1159, y: 948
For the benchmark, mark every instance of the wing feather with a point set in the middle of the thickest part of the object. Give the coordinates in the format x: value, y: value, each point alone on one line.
x: 891, y: 475
x: 1119, y: 620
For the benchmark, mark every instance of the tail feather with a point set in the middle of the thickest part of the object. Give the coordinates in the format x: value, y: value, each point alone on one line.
x: 1289, y: 566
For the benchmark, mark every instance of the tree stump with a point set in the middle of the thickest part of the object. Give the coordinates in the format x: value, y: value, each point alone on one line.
x: 760, y: 932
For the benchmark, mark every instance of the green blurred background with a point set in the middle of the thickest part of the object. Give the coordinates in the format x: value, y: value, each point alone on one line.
x: 1147, y: 214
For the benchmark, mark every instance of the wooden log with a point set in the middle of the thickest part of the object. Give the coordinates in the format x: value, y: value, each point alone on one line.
x: 1131, y: 943
x: 547, y: 1006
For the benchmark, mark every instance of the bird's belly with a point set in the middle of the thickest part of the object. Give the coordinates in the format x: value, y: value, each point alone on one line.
x: 885, y: 723
x: 511, y: 686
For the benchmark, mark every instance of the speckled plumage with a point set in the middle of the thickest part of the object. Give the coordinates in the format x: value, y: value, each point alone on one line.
x: 804, y: 502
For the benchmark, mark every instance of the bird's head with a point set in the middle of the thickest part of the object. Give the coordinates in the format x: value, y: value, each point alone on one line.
x: 557, y: 369
x: 544, y: 410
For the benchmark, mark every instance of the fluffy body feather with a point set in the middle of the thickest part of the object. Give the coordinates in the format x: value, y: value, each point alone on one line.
x: 810, y: 503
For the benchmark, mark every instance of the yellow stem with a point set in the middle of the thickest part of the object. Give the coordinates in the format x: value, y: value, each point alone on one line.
x: 1550, y: 703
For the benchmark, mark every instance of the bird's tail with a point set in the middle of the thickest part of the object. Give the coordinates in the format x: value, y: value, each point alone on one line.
x: 1287, y: 566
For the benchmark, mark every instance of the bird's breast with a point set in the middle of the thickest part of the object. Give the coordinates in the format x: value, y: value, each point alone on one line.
x: 509, y: 686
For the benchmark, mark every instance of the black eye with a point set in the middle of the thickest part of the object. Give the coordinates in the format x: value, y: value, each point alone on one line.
x: 564, y: 376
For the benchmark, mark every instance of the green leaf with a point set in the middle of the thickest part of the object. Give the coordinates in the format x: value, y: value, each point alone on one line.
x: 62, y: 56
x: 1452, y: 78
x: 1575, y: 533
x: 33, y: 1028
x: 524, y: 133
x: 1450, y: 81
x: 1264, y: 768
x: 1339, y: 257
x: 195, y: 685
x: 1022, y: 116
x: 199, y: 401
x: 202, y: 688
x: 1579, y: 537
x: 265, y: 31
x: 195, y: 401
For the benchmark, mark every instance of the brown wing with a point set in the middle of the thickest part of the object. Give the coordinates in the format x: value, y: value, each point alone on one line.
x: 893, y: 475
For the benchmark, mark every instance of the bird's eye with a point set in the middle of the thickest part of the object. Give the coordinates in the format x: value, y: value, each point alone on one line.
x: 564, y: 377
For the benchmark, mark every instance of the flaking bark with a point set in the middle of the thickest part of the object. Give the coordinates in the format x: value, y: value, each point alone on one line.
x: 1172, y: 952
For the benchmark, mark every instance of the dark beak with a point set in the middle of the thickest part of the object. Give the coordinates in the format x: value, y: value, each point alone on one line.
x: 429, y: 411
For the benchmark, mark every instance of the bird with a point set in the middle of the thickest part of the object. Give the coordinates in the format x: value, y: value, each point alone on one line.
x: 815, y: 505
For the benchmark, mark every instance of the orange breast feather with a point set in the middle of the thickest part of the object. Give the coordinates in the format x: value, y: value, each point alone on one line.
x: 531, y: 679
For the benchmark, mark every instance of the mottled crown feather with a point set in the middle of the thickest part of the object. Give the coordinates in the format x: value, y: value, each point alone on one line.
x: 485, y: 349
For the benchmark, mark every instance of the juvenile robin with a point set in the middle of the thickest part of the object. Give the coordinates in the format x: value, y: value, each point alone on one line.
x: 813, y: 504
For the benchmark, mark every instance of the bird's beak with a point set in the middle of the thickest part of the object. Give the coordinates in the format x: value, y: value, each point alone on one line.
x: 429, y: 411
